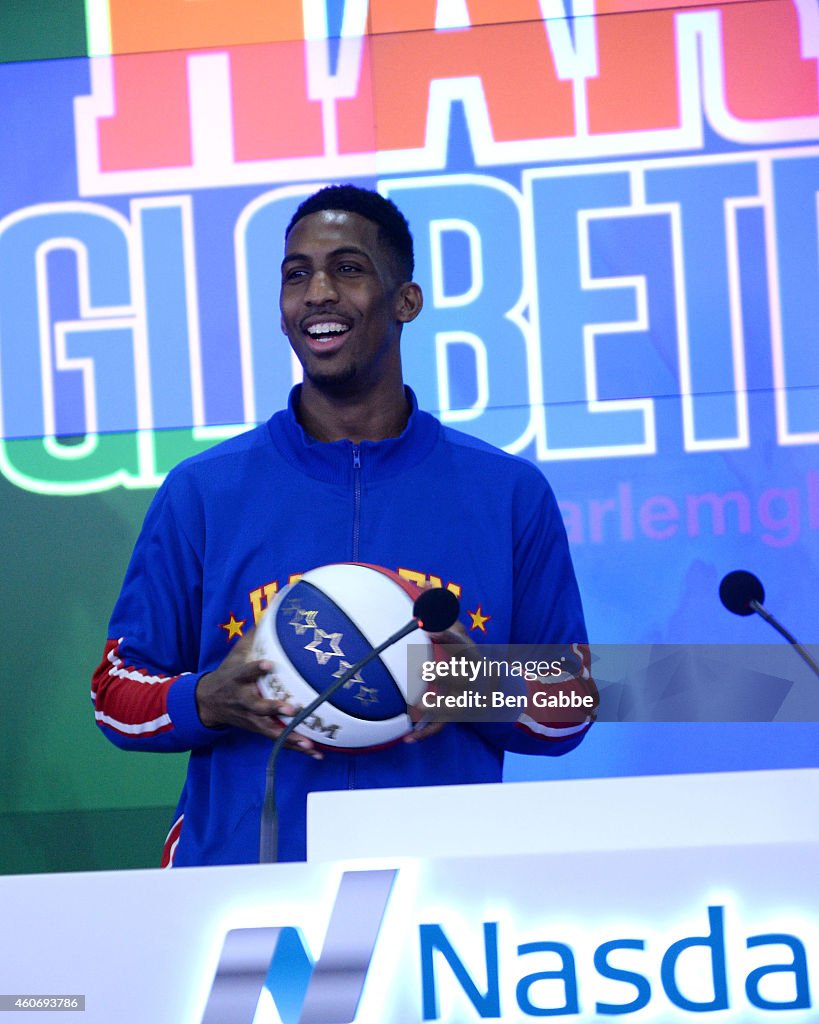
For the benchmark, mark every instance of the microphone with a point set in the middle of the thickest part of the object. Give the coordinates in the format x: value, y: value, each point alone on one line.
x: 434, y: 611
x: 739, y: 590
x: 742, y: 593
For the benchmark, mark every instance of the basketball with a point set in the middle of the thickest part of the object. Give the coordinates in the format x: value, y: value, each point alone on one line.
x: 318, y: 627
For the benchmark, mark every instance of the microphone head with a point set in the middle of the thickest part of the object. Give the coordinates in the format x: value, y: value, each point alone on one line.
x: 436, y: 609
x: 738, y: 589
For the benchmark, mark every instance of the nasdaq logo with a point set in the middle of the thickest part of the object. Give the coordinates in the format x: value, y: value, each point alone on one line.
x: 720, y: 972
x: 326, y: 991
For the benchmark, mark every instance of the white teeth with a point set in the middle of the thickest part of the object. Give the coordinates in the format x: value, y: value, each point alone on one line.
x: 319, y: 330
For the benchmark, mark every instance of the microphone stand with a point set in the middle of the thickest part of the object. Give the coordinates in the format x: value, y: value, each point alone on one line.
x: 766, y: 615
x: 269, y: 835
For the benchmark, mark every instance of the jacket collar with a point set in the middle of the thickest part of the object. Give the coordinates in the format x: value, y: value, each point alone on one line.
x: 333, y: 460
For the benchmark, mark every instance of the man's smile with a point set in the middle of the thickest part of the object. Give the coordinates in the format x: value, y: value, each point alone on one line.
x: 326, y: 333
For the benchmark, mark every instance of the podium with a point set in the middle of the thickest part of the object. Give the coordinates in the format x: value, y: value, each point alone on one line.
x: 594, y: 815
x: 649, y: 899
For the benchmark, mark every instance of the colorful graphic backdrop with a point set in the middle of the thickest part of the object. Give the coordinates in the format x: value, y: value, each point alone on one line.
x: 615, y: 213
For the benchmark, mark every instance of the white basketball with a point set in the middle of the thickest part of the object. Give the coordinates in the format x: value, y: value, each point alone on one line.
x: 318, y: 627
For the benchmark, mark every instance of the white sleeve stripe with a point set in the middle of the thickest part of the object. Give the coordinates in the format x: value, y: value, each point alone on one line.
x: 133, y: 728
x: 549, y: 730
x: 137, y: 676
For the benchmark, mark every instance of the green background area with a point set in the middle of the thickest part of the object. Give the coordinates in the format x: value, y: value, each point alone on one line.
x: 70, y: 799
x: 41, y: 29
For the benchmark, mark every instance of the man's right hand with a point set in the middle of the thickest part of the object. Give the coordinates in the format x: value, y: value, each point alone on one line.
x: 230, y: 696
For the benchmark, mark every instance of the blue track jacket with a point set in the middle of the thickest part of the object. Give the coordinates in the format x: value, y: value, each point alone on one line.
x: 231, y: 526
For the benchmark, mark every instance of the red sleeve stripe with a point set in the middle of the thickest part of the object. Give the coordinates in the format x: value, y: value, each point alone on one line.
x: 581, y: 683
x: 123, y: 704
x: 171, y: 843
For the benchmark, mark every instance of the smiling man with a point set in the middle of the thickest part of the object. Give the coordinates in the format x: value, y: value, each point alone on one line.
x: 347, y: 292
x: 352, y: 470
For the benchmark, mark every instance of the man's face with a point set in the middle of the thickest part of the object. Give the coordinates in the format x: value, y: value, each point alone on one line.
x: 341, y: 305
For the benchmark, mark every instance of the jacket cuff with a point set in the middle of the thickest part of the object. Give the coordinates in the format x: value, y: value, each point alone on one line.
x: 183, y: 713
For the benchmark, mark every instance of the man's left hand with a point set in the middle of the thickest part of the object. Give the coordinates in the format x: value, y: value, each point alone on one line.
x: 458, y: 641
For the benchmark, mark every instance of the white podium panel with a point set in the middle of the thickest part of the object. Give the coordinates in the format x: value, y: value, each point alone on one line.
x: 648, y: 812
x: 729, y: 934
x: 704, y: 929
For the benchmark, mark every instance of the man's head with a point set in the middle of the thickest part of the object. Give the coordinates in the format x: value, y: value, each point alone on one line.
x: 393, y: 229
x: 346, y: 291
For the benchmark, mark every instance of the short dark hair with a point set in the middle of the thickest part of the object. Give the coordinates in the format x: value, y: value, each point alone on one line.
x: 393, y: 228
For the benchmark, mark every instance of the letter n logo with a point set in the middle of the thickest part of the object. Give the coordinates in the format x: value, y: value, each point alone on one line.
x: 325, y: 992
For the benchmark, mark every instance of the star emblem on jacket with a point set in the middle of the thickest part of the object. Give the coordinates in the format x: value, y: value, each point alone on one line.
x: 479, y: 620
x: 233, y: 627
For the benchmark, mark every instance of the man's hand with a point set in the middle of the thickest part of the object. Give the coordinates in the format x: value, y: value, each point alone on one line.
x: 459, y: 642
x: 230, y: 696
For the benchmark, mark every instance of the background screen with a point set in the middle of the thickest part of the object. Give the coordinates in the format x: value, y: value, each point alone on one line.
x: 614, y: 205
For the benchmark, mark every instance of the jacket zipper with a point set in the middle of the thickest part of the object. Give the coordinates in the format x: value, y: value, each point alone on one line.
x: 351, y: 773
x: 356, y: 499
